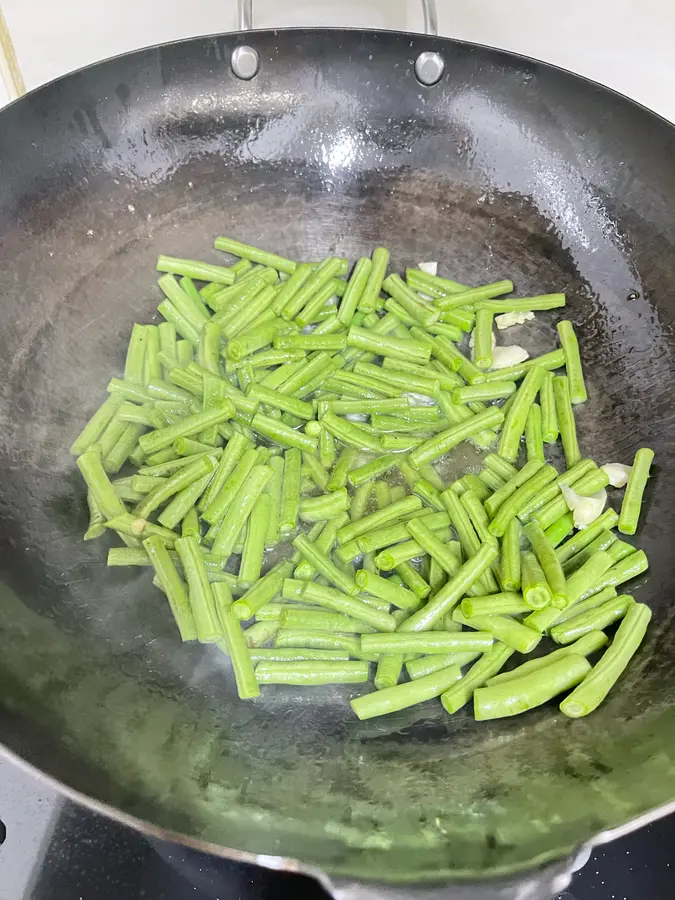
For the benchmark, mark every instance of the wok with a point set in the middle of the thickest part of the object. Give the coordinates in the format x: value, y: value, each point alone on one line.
x: 504, y: 167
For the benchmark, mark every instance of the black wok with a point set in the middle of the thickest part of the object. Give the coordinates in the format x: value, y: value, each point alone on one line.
x: 506, y: 167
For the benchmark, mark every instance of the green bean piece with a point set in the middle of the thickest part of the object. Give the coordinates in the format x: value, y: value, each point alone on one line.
x: 536, y: 590
x: 473, y: 295
x: 320, y: 640
x: 426, y: 665
x: 583, y: 606
x: 429, y: 642
x: 202, y: 601
x: 311, y: 673
x: 368, y: 300
x: 90, y: 465
x: 261, y: 632
x: 327, y: 451
x: 604, y: 675
x: 603, y: 542
x: 447, y: 353
x: 482, y: 336
x: 254, y: 254
x: 503, y: 628
x: 221, y: 503
x: 589, y: 484
x: 290, y: 492
x: 575, y: 375
x: 418, y: 309
x: 281, y: 401
x: 394, y: 556
x: 190, y: 525
x: 326, y: 506
x: 282, y: 434
x: 510, y: 698
x: 233, y: 452
x: 510, y: 573
x: 387, y: 345
x: 339, y: 602
x: 182, y: 503
x: 514, y: 424
x: 190, y: 425
x: 259, y: 595
x: 204, y: 465
x: 453, y: 591
x: 549, y: 416
x: 473, y: 483
x: 442, y: 443
x: 506, y: 603
x: 254, y: 545
x: 437, y: 549
x: 548, y: 361
x: 534, y: 441
x: 494, y: 390
x: 128, y: 556
x: 521, y: 496
x: 566, y: 423
x: 624, y: 570
x: 184, y: 352
x: 325, y: 541
x: 151, y: 368
x: 522, y: 304
x: 379, y: 518
x: 235, y: 644
x: 173, y: 587
x: 632, y: 499
x: 208, y: 352
x: 166, y: 333
x: 182, y: 324
x: 558, y: 531
x: 412, y: 579
x: 585, y: 646
x: 484, y: 669
x: 397, y: 697
x: 311, y: 342
x: 134, y: 367
x: 96, y: 518
x: 386, y: 589
x: 198, y: 270
x: 322, y: 620
x: 388, y: 671
x: 498, y: 464
x: 577, y: 584
x: 319, y: 279
x: 582, y: 539
x: 324, y: 565
x: 192, y: 310
x: 434, y: 285
x: 549, y: 562
x: 292, y: 655
x: 338, y: 478
x: 241, y: 508
x: 400, y: 381
x: 595, y: 619
x: 355, y: 288
x: 372, y: 469
x: 97, y: 424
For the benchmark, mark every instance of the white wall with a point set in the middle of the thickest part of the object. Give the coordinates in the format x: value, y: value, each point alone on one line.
x: 627, y: 44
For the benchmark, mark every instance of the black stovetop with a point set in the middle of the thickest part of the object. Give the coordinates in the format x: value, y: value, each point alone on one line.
x: 54, y: 850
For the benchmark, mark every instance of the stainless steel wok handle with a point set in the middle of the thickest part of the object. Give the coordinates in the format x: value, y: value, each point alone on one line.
x: 429, y: 65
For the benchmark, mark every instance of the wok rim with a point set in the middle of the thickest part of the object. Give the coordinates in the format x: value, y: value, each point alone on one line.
x: 578, y: 855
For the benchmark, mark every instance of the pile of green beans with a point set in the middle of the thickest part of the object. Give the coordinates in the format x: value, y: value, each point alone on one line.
x: 269, y: 453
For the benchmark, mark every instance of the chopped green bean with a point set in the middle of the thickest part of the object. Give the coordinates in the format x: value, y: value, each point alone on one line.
x: 637, y: 482
x: 484, y: 669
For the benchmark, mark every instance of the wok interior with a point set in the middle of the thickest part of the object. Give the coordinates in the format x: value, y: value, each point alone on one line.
x: 506, y: 169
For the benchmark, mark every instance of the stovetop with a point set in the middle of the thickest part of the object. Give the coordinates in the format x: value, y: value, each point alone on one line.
x: 52, y: 849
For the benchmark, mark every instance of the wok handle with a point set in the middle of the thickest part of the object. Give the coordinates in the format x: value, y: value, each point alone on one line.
x: 428, y: 10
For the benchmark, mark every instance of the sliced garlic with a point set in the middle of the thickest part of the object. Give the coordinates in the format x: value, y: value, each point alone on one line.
x: 431, y: 268
x: 585, y: 510
x: 617, y: 474
x: 506, y: 320
x: 502, y: 357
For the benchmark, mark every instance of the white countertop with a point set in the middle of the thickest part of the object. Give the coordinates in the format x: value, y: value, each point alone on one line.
x: 626, y: 44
